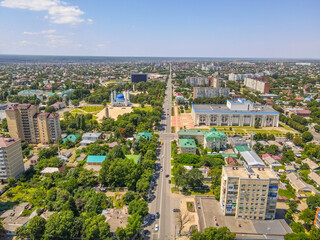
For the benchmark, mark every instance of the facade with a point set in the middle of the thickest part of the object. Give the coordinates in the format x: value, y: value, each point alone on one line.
x: 236, y: 113
x: 210, y: 92
x: 11, y: 160
x: 139, y: 77
x: 257, y: 84
x: 197, y: 81
x: 120, y: 100
x: 249, y: 193
x: 317, y: 218
x: 188, y: 145
x: 211, y: 139
x: 26, y: 123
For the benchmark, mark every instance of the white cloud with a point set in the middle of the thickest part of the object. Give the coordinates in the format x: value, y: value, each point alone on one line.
x: 41, y: 32
x: 90, y: 21
x: 58, y: 11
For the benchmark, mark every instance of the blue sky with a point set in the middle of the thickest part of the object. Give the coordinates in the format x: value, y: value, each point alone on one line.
x: 168, y: 28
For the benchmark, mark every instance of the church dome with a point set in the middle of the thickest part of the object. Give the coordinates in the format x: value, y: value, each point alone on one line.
x: 120, y: 96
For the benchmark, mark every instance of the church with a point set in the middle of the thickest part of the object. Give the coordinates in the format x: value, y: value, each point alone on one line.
x: 120, y: 100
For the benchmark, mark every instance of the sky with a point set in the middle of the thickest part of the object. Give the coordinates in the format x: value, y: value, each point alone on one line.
x: 166, y: 28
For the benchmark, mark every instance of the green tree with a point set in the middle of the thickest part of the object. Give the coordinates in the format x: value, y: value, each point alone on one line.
x: 121, y: 233
x: 129, y: 197
x: 313, y: 202
x: 75, y: 102
x: 36, y: 227
x: 289, y: 136
x: 59, y: 225
x: 179, y: 173
x: 212, y: 233
x: 217, y: 192
x: 307, y: 216
x: 293, y: 205
x: 257, y: 123
x: 138, y: 207
x: 297, y: 227
x: 194, y: 178
x: 296, y: 236
x: 297, y: 141
x: 307, y: 137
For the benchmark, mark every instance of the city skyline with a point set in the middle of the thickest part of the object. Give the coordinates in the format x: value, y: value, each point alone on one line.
x: 230, y: 29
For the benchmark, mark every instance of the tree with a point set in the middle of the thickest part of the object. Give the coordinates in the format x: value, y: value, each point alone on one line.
x: 138, y: 207
x: 129, y: 197
x: 289, y: 215
x: 307, y: 216
x: 296, y: 236
x: 59, y: 225
x: 257, y: 123
x: 217, y: 192
x: 194, y: 178
x: 313, y: 202
x: 297, y: 227
x: 121, y: 233
x: 307, y: 137
x: 179, y: 173
x: 212, y: 233
x: 289, y: 136
x: 75, y: 102
x: 293, y: 205
x: 258, y: 147
x: 182, y: 220
x: 36, y: 227
x: 297, y: 141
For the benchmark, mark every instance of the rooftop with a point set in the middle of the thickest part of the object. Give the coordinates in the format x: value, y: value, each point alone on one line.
x: 145, y: 135
x: 312, y: 165
x: 242, y: 148
x: 222, y: 108
x: 95, y: 159
x: 183, y: 143
x: 252, y: 159
x: 315, y: 177
x: 70, y: 137
x: 190, y: 132
x: 85, y: 135
x: 6, y: 142
x: 241, y: 172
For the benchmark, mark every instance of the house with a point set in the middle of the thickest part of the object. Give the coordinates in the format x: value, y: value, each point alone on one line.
x: 188, y: 146
x: 81, y: 157
x: 58, y: 105
x: 314, y: 177
x: 241, y: 148
x: 135, y: 158
x: 49, y: 170
x: 95, y: 160
x: 303, y: 189
x: 113, y: 144
x: 230, y: 161
x: 271, y: 161
x: 70, y: 137
x: 312, y: 165
x: 89, y: 138
x: 145, y: 135
x: 290, y: 169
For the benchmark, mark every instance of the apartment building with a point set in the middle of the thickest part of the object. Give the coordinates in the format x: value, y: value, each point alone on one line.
x: 249, y: 193
x: 26, y: 123
x: 257, y: 84
x: 203, y: 81
x: 11, y: 160
x: 210, y: 92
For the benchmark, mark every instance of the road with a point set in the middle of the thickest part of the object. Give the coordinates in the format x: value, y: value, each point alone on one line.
x: 164, y: 201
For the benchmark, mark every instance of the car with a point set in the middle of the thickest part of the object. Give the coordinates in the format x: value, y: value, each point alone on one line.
x: 156, y: 227
x: 146, y: 232
x: 157, y: 215
x: 144, y: 223
x: 161, y: 169
x: 169, y: 181
x: 199, y: 207
x: 167, y: 175
x: 152, y: 217
x: 176, y: 210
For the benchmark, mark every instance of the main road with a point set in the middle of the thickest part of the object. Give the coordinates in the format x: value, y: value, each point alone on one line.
x: 164, y: 201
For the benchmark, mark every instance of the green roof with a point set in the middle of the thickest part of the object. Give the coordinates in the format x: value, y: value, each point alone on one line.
x: 71, y: 137
x: 145, y: 135
x: 95, y: 159
x: 213, y: 134
x: 224, y: 155
x: 135, y: 158
x: 242, y: 148
x: 183, y: 143
x: 50, y: 94
x: 190, y: 132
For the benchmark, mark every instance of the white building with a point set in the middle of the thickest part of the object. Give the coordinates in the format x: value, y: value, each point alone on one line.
x: 210, y: 92
x: 235, y: 113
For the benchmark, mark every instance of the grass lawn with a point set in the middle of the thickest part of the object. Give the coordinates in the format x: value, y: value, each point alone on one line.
x: 92, y: 109
x: 173, y: 130
x: 286, y: 193
x: 147, y: 108
x: 172, y: 111
x: 188, y: 110
x: 76, y: 111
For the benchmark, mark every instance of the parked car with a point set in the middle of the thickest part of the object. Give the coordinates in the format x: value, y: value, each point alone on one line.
x: 176, y: 210
x: 167, y: 175
x: 169, y: 181
x: 157, y: 215
x: 156, y: 227
x: 153, y: 217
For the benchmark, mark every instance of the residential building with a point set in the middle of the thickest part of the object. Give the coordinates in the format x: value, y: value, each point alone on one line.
x: 311, y: 164
x: 302, y: 189
x: 211, y: 139
x: 271, y: 160
x: 58, y: 105
x: 249, y: 193
x: 88, y: 138
x: 38, y: 93
x: 66, y: 93
x: 210, y: 92
x: 197, y: 81
x: 146, y: 135
x: 26, y: 123
x: 241, y: 148
x: 70, y: 137
x: 11, y: 160
x: 236, y: 113
x: 187, y: 145
x: 260, y: 84
x: 252, y: 159
x: 314, y: 177
x: 95, y: 160
x: 317, y: 218
x: 139, y: 77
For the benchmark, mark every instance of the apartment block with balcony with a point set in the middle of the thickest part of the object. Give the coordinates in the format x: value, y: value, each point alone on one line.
x: 11, y: 160
x: 26, y: 123
x: 249, y: 193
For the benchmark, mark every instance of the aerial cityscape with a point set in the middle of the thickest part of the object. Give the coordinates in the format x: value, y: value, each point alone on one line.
x: 162, y: 120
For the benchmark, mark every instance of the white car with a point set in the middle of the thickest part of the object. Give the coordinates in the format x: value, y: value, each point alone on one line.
x: 156, y: 227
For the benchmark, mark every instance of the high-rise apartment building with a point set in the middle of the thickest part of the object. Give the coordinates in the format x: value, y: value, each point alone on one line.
x: 11, y: 160
x: 210, y: 92
x: 257, y: 84
x: 26, y: 123
x: 249, y: 193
